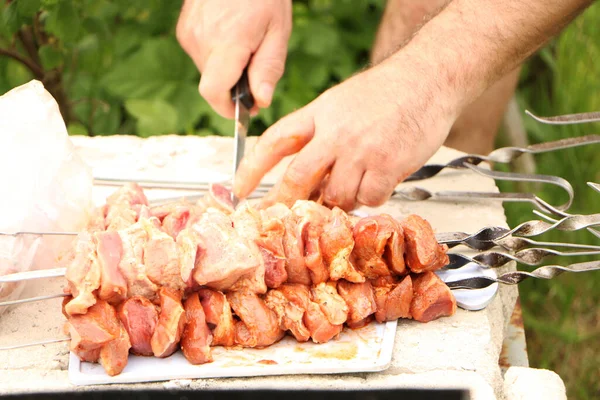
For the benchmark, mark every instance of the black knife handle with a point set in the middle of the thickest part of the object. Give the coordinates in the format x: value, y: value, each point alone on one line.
x: 244, y: 89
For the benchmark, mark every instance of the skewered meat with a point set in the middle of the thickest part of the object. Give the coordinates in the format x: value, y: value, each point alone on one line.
x: 113, y: 287
x: 139, y: 318
x: 248, y: 276
x: 83, y: 275
x: 258, y: 325
x: 171, y: 322
x: 218, y: 317
x: 432, y: 298
x: 393, y: 298
x: 337, y: 243
x: 225, y: 256
x: 197, y: 338
x: 379, y: 242
x: 423, y: 252
x: 290, y: 302
x: 360, y: 300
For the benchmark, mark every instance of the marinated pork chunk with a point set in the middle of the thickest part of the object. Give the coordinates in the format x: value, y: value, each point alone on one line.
x: 217, y: 197
x: 225, y: 256
x: 132, y: 267
x: 171, y: 322
x: 423, y: 252
x: 83, y: 275
x: 271, y: 245
x: 139, y: 318
x: 379, y: 246
x: 290, y: 302
x: 259, y: 325
x: 109, y: 249
x: 295, y: 266
x: 337, y: 243
x: 325, y: 314
x: 360, y: 299
x: 313, y: 257
x: 122, y: 207
x: 114, y: 354
x: 188, y: 248
x: 197, y: 338
x: 332, y: 304
x: 161, y: 257
x: 432, y: 298
x: 218, y: 317
x: 393, y: 298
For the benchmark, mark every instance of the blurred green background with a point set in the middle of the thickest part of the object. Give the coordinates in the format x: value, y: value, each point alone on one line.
x: 116, y: 68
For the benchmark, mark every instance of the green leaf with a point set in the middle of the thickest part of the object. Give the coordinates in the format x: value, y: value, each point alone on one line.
x: 17, y: 74
x: 221, y: 126
x: 154, y: 117
x: 10, y: 22
x: 188, y: 104
x: 323, y: 39
x: 76, y: 128
x: 50, y: 56
x: 28, y: 8
x: 63, y: 22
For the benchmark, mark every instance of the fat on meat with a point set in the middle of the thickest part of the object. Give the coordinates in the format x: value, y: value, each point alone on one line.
x: 423, y: 252
x: 258, y: 326
x: 225, y: 256
x: 337, y: 243
x: 139, y: 318
x: 161, y: 257
x: 219, y: 317
x: 197, y: 337
x: 83, y: 275
x: 432, y: 298
x: 171, y: 322
x: 379, y: 246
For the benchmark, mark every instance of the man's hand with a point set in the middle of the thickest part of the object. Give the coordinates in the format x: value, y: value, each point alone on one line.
x: 223, y: 37
x: 368, y: 134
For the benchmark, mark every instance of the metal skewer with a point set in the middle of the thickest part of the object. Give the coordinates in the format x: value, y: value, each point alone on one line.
x: 567, y: 119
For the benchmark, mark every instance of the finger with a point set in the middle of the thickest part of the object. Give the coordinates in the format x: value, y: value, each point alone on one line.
x: 286, y: 137
x: 375, y: 188
x: 222, y: 70
x: 304, y: 174
x: 184, y: 31
x: 342, y: 188
x: 267, y: 66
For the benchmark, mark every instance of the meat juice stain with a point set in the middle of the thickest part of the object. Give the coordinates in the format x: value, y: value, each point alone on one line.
x: 267, y: 362
x: 342, y: 351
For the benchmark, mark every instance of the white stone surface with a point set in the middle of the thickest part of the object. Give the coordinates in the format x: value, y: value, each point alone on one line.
x: 461, y: 351
x: 531, y: 384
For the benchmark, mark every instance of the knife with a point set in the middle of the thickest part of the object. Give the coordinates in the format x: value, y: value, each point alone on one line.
x: 244, y: 101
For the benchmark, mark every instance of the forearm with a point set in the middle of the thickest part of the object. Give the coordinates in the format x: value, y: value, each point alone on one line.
x: 471, y: 44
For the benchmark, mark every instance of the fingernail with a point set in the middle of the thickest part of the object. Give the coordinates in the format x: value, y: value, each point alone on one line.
x: 265, y: 92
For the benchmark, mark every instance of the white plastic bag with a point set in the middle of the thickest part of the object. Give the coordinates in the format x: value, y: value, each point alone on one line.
x: 44, y: 185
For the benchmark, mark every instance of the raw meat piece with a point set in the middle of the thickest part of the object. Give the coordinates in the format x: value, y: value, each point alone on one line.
x: 337, y: 243
x: 360, y: 300
x: 109, y: 249
x: 332, y: 304
x: 171, y: 322
x: 218, y: 317
x: 129, y: 194
x: 290, y: 302
x: 188, y: 247
x: 218, y: 197
x: 92, y: 330
x: 114, y: 354
x: 271, y: 247
x: 197, y: 338
x: 225, y: 256
x: 139, y: 318
x: 293, y: 245
x: 379, y: 246
x: 83, y: 275
x: 313, y: 258
x: 393, y: 298
x: 423, y: 252
x: 161, y: 257
x: 321, y: 330
x: 134, y: 239
x: 259, y: 326
x: 432, y: 298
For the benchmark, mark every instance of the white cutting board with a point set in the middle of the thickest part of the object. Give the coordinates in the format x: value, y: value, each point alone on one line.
x: 368, y: 349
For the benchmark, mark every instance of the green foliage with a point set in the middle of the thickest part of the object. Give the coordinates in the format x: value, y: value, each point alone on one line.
x: 124, y: 72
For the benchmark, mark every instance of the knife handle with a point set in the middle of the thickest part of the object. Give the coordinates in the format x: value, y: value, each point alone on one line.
x: 242, y: 90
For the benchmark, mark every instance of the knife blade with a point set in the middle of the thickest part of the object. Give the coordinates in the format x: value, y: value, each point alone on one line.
x: 244, y: 101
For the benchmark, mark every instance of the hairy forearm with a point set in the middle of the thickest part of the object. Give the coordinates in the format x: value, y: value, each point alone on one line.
x: 471, y: 44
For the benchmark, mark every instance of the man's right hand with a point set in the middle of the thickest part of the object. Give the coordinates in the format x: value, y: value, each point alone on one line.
x: 223, y: 37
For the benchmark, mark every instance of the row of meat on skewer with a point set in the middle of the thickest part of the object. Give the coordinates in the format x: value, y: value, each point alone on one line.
x: 150, y: 280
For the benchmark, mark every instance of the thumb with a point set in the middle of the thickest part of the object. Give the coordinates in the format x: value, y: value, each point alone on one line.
x: 267, y: 66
